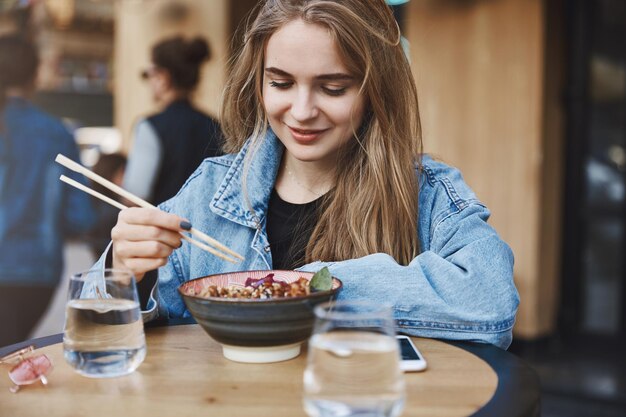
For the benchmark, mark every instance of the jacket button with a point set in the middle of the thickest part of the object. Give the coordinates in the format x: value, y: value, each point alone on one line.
x: 267, y: 248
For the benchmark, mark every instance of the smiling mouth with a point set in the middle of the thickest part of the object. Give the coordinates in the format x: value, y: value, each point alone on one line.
x: 306, y: 131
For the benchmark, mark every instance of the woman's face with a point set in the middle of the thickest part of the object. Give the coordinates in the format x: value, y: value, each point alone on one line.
x: 310, y: 98
x: 158, y: 80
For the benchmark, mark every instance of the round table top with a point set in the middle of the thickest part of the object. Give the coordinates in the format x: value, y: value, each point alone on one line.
x: 185, y: 373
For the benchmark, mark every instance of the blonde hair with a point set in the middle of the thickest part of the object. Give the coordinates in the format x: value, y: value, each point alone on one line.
x: 374, y: 205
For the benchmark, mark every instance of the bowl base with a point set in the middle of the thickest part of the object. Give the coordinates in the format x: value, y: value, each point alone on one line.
x: 261, y: 354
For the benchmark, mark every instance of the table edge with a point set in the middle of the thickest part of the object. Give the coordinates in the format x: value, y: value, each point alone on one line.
x: 516, y: 391
x: 58, y: 338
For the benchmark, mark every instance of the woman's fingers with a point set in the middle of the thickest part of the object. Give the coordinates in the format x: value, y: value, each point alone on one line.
x: 143, y: 239
x: 143, y: 249
x: 140, y: 266
x: 140, y: 257
x: 139, y: 233
x: 151, y: 217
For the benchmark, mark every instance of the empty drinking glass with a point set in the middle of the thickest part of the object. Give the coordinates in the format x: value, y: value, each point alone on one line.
x: 353, y: 366
x: 103, y: 335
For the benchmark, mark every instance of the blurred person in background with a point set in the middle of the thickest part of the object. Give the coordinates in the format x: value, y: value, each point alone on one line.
x: 112, y: 167
x: 37, y: 211
x: 169, y: 146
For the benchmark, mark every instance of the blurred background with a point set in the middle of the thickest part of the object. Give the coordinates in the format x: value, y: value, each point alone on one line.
x: 526, y: 97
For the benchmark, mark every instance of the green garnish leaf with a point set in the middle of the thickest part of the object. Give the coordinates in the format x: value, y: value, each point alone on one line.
x: 321, y: 281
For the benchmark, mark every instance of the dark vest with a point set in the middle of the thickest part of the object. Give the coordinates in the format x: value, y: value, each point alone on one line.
x: 187, y: 136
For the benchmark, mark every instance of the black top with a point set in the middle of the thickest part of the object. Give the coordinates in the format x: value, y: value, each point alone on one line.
x: 187, y: 136
x: 289, y: 227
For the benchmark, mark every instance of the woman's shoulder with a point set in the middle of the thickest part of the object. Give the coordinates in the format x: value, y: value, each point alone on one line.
x: 33, y: 116
x: 218, y: 162
x: 211, y: 170
x: 442, y: 183
x: 206, y: 179
x: 35, y: 124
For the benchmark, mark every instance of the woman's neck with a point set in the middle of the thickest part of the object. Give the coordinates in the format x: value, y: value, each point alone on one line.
x: 170, y: 96
x: 301, y: 182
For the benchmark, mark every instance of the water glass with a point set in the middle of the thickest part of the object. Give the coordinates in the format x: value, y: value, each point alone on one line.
x: 103, y: 334
x: 353, y: 364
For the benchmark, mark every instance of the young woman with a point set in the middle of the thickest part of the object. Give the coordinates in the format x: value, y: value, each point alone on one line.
x: 325, y: 169
x: 169, y: 146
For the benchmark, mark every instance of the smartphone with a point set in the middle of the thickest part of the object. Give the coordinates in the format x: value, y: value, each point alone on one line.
x: 411, y: 358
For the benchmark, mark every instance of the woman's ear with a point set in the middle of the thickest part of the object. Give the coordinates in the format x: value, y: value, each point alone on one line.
x: 163, y: 80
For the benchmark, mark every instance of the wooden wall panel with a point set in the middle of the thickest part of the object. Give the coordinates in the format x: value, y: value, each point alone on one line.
x: 553, y: 145
x: 479, y: 70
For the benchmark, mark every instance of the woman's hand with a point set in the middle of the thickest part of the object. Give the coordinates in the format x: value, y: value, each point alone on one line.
x: 143, y: 238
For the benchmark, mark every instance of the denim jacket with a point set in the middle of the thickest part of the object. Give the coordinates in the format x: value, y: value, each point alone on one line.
x: 37, y: 211
x: 459, y: 287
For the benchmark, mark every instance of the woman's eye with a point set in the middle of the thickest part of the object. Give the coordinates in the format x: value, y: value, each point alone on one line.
x: 280, y: 85
x: 334, y: 91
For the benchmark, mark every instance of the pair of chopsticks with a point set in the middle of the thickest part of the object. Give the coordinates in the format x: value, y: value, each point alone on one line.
x: 76, y: 167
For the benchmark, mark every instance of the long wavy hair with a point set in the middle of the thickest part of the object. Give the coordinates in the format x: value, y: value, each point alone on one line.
x: 374, y: 204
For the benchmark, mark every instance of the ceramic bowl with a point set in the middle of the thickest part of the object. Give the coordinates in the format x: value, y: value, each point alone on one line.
x: 255, y: 330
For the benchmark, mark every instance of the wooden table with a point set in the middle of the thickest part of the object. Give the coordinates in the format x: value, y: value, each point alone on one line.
x: 185, y: 374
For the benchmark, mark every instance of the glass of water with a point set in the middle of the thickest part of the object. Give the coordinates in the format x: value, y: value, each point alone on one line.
x: 353, y: 364
x: 103, y: 335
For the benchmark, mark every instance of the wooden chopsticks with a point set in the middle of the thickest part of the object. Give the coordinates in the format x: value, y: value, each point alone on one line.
x: 76, y: 167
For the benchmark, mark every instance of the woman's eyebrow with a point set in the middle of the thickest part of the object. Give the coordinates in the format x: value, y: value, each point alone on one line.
x: 339, y: 76
x: 276, y: 71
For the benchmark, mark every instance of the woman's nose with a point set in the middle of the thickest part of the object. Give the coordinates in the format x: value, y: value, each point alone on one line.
x: 304, y: 106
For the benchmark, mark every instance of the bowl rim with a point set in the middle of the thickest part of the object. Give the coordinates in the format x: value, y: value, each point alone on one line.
x: 225, y: 300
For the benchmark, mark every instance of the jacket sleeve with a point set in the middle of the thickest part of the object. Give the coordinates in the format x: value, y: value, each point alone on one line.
x: 461, y: 288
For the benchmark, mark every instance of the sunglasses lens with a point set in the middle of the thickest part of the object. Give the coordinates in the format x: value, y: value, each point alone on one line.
x: 30, y: 370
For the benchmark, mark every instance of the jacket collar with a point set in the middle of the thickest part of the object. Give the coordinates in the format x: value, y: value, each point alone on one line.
x: 230, y: 200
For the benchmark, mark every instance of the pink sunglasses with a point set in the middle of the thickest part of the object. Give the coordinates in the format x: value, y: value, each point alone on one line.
x: 26, y: 371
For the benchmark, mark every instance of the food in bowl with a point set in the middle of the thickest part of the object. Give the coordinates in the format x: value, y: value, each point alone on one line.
x: 262, y: 288
x: 256, y: 329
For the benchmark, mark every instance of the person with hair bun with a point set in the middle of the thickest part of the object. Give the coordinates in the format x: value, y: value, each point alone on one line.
x: 325, y: 167
x: 168, y: 146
